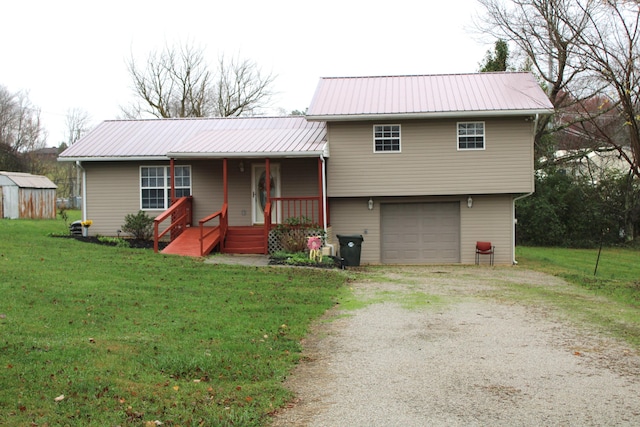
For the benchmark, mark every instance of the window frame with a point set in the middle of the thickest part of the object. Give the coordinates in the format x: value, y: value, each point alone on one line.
x: 166, y: 185
x: 484, y: 136
x: 376, y: 138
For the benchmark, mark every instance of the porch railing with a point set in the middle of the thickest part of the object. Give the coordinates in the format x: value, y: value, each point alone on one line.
x: 181, y: 214
x: 223, y: 226
x: 309, y: 208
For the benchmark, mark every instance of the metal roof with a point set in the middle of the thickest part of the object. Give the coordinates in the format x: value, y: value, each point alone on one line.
x: 201, y: 137
x: 25, y: 180
x: 447, y: 95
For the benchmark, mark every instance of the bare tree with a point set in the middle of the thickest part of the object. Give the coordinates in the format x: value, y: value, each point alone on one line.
x: 611, y: 53
x: 78, y: 123
x: 240, y: 87
x: 20, y: 130
x: 584, y: 52
x: 177, y: 82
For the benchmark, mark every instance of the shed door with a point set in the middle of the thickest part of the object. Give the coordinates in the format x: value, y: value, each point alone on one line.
x: 421, y: 233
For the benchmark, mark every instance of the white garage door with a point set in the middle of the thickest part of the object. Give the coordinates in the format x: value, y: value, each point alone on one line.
x: 421, y: 233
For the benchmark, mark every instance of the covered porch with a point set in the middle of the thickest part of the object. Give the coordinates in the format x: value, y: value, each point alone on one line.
x: 237, y: 210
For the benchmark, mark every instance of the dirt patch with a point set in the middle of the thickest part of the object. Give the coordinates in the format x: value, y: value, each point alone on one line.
x: 439, y: 346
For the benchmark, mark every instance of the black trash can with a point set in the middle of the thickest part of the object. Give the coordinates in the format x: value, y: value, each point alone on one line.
x: 350, y: 247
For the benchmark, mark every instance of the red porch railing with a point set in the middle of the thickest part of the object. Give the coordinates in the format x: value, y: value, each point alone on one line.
x: 181, y: 217
x: 284, y: 208
x: 223, y: 226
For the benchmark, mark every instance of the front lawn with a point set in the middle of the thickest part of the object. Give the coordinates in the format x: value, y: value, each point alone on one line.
x: 100, y: 335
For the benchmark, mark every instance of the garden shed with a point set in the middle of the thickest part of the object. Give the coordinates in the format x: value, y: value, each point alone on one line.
x: 23, y: 195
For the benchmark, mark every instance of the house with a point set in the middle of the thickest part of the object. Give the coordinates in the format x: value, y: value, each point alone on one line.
x: 23, y: 195
x: 592, y: 164
x: 421, y: 166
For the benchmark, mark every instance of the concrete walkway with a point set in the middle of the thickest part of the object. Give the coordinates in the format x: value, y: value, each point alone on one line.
x: 239, y: 259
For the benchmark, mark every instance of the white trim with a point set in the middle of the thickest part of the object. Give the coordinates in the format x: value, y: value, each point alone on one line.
x: 115, y: 159
x: 165, y: 188
x: 428, y: 115
x: 399, y: 150
x: 324, y: 151
x: 275, y: 174
x: 247, y: 155
x: 484, y: 136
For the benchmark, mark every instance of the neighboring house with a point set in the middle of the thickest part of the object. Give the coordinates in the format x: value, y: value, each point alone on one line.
x: 23, y: 195
x: 421, y: 166
x: 592, y: 165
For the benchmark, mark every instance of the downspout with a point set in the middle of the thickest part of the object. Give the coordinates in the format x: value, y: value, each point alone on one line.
x: 324, y: 203
x: 513, y: 205
x: 84, y: 190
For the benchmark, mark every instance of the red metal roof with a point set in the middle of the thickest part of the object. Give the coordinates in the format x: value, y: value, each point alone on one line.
x: 352, y: 98
x: 203, y: 137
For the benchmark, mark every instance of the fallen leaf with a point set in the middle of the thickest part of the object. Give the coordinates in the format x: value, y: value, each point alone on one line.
x: 176, y: 388
x: 59, y: 398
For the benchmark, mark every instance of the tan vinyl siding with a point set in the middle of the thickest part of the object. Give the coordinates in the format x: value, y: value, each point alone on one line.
x: 429, y: 161
x: 490, y: 219
x: 352, y: 217
x: 113, y: 191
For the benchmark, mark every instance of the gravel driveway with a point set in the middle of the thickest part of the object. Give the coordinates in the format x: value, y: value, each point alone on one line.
x: 441, y: 346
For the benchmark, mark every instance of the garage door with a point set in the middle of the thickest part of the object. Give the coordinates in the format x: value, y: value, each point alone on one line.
x: 421, y: 233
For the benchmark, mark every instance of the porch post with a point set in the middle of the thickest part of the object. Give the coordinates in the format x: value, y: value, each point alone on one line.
x: 172, y: 175
x: 224, y: 181
x: 268, y: 179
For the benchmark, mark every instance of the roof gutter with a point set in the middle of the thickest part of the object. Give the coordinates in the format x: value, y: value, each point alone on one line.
x: 257, y: 155
x: 428, y: 115
x: 113, y: 159
x: 181, y: 155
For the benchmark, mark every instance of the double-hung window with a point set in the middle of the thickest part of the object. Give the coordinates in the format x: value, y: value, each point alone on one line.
x: 471, y: 136
x: 155, y: 185
x: 386, y: 138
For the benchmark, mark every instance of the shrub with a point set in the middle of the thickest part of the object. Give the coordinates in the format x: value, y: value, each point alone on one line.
x: 140, y: 225
x: 293, y: 233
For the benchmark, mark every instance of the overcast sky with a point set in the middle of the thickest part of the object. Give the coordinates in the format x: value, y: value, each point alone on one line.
x: 72, y: 53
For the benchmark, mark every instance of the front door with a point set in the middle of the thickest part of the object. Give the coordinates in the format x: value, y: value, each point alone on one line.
x: 259, y: 189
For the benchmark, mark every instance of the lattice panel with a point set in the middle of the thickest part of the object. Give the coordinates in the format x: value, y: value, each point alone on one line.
x: 274, y: 240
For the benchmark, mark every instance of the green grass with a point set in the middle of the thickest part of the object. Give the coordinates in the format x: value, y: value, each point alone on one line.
x: 609, y: 300
x: 617, y: 275
x: 129, y: 336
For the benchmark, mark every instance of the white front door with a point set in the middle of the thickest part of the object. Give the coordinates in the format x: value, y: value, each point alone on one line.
x: 259, y: 188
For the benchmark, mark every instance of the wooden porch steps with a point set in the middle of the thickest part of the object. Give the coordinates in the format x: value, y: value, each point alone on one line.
x: 240, y: 240
x: 245, y: 240
x: 188, y: 243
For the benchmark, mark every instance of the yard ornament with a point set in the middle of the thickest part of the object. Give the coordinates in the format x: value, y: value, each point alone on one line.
x: 314, y: 243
